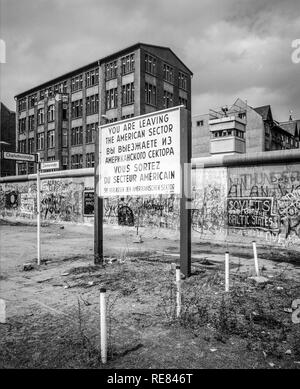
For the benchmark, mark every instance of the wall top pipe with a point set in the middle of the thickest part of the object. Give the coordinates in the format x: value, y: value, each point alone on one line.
x: 258, y: 158
x: 86, y: 172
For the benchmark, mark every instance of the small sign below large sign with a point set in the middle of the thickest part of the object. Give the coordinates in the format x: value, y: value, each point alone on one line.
x: 49, y: 165
x: 20, y: 156
x: 88, y: 203
x: 141, y: 156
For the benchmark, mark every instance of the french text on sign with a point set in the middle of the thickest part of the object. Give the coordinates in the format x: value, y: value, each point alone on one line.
x: 141, y: 156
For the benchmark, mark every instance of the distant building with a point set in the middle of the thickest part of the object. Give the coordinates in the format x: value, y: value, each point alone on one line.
x: 59, y: 118
x: 241, y: 129
x: 7, y: 139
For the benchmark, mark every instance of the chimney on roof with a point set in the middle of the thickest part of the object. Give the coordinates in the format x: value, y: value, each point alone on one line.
x: 291, y: 118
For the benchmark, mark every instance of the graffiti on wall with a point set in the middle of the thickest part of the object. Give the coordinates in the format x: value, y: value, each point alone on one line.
x: 251, y: 212
x: 61, y: 200
x: 11, y: 199
x: 159, y: 211
x: 209, y: 195
x: 273, y: 200
x: 28, y: 204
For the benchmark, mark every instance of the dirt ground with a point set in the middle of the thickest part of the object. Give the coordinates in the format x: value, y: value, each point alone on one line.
x: 53, y: 310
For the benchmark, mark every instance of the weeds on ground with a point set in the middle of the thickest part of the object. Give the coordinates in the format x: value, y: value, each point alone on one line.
x: 253, y: 313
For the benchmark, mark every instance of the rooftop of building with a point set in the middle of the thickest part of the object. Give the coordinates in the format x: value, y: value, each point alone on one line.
x: 3, y: 106
x: 265, y: 112
x: 94, y: 64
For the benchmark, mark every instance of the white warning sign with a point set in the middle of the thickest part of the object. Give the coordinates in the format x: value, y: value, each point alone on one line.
x: 141, y: 155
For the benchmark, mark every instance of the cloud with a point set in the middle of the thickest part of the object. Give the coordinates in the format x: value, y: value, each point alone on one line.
x: 235, y: 48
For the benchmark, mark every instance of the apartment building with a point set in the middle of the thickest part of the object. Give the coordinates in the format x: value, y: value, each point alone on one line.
x: 59, y: 119
x: 7, y: 139
x: 241, y: 128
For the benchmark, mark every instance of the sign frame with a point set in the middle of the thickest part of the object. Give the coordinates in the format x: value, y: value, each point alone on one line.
x: 46, y: 165
x: 25, y: 157
x: 185, y: 145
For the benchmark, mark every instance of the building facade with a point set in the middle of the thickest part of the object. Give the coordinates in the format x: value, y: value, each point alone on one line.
x: 241, y: 129
x: 7, y: 139
x: 59, y: 119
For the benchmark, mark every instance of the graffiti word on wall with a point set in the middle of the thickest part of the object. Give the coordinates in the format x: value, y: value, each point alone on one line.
x: 11, y: 199
x: 88, y: 203
x: 251, y: 212
x: 27, y: 204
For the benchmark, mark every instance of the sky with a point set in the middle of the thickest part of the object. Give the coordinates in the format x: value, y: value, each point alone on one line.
x: 235, y: 48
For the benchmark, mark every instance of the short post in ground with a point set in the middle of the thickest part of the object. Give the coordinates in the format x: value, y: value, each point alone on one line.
x: 103, y: 327
x: 227, y: 271
x: 178, y: 291
x: 2, y: 311
x: 255, y: 258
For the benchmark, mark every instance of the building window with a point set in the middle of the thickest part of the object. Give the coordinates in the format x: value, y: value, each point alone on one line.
x: 41, y: 116
x: 182, y: 80
x: 64, y: 137
x: 51, y: 139
x: 111, y: 98
x: 31, y: 122
x: 31, y: 145
x: 183, y: 101
x: 22, y: 169
x: 40, y: 141
x: 22, y: 125
x: 76, y: 83
x: 64, y: 113
x: 150, y: 64
x: 76, y: 109
x: 76, y: 136
x: 22, y: 146
x: 92, y: 104
x: 42, y: 95
x: 90, y: 159
x: 49, y: 92
x: 22, y: 104
x: 32, y: 100
x: 168, y: 73
x: 30, y: 167
x: 127, y: 64
x: 65, y: 162
x: 168, y: 99
x: 111, y: 70
x: 128, y: 93
x: 199, y: 123
x: 90, y: 132
x: 76, y: 161
x: 150, y: 94
x: 51, y: 113
x: 92, y: 77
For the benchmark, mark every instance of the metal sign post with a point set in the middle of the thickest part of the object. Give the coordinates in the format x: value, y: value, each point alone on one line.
x: 46, y: 165
x: 38, y: 210
x: 185, y: 199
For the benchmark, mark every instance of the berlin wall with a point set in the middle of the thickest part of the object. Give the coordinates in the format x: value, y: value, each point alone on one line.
x: 235, y: 199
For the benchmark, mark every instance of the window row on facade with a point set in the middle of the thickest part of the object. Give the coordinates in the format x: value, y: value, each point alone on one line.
x: 168, y: 72
x: 76, y: 138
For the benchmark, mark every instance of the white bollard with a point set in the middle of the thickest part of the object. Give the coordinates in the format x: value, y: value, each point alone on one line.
x: 255, y: 258
x: 178, y: 291
x: 227, y: 271
x: 103, y: 330
x: 2, y: 311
